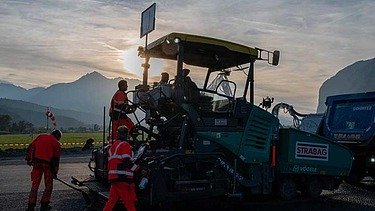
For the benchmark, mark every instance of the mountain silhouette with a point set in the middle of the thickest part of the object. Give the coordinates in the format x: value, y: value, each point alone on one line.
x: 10, y: 91
x: 35, y: 114
x: 87, y: 96
x: 355, y: 78
x: 90, y: 93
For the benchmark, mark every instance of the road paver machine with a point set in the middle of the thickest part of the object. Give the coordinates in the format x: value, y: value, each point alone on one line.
x: 206, y: 142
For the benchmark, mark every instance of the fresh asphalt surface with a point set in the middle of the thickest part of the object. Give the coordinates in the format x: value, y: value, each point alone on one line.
x: 15, y: 184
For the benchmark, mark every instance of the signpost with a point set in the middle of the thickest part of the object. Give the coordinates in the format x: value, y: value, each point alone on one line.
x: 148, y: 21
x: 147, y: 25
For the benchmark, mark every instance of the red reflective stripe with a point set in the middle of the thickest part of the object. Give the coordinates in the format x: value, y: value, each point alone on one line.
x: 273, y: 161
x: 118, y: 156
x: 118, y: 153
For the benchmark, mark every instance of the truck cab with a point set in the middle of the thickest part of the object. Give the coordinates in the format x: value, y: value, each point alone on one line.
x: 350, y: 120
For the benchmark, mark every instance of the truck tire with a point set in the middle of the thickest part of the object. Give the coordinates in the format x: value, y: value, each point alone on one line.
x: 287, y: 189
x: 355, y: 177
x: 372, y: 174
x: 313, y: 188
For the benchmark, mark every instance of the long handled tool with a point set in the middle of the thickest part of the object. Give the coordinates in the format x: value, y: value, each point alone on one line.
x: 84, y: 194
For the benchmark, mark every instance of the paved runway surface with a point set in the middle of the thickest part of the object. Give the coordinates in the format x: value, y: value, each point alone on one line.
x: 15, y: 185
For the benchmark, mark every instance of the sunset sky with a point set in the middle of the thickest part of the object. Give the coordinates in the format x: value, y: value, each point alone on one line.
x: 47, y: 42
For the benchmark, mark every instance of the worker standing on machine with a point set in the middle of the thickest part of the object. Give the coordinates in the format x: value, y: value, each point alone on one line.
x: 191, y: 91
x: 164, y: 78
x: 121, y: 170
x: 120, y: 108
x: 44, y: 155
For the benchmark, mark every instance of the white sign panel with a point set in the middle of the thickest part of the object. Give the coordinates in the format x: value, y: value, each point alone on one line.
x: 148, y: 20
x: 312, y: 151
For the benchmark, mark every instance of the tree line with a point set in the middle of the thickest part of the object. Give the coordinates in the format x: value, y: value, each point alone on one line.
x: 8, y: 126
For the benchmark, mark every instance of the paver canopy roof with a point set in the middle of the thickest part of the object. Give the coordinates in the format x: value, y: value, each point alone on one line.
x: 202, y: 51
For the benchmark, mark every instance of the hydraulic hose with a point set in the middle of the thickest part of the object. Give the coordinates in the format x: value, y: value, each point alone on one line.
x: 288, y: 109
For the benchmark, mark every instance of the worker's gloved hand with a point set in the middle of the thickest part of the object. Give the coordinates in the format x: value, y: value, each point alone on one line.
x: 28, y: 160
x: 144, y: 172
x: 134, y: 106
x: 130, y: 109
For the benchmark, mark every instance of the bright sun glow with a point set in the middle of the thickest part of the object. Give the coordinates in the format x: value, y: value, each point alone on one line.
x: 132, y: 63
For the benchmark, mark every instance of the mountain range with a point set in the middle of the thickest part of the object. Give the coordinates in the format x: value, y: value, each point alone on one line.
x: 82, y: 100
x: 355, y: 78
x: 30, y: 112
x: 90, y: 93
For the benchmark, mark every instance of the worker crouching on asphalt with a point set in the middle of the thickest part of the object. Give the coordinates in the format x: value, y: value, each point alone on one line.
x: 44, y: 155
x: 121, y: 170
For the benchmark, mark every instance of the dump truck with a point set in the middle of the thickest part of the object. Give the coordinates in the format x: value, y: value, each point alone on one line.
x: 350, y: 121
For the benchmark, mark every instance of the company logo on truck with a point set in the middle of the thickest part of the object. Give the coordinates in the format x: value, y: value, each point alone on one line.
x: 312, y: 151
x: 347, y: 136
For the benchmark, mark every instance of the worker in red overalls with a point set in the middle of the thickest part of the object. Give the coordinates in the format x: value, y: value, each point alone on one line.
x: 121, y: 170
x: 44, y: 155
x: 120, y: 108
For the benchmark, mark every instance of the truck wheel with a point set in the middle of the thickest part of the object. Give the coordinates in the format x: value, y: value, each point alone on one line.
x: 354, y: 177
x: 287, y: 189
x: 313, y: 188
x: 372, y: 173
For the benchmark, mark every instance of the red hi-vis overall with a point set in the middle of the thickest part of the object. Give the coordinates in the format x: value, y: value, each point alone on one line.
x: 44, y: 155
x: 119, y: 105
x: 121, y: 171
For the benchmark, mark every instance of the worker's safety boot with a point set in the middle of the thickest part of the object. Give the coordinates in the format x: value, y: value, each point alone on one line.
x: 45, y: 206
x: 30, y: 207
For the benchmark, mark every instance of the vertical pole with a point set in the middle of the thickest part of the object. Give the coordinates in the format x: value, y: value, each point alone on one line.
x: 180, y: 60
x: 251, y: 82
x: 103, y: 126
x: 103, y: 159
x: 178, y: 88
x: 234, y: 177
x: 145, y: 66
x: 183, y: 132
x: 146, y: 42
x: 47, y: 120
x: 206, y: 80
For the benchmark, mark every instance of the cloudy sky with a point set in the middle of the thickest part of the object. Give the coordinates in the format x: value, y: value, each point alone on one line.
x: 47, y: 42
